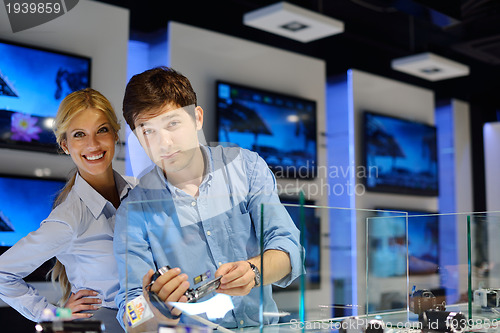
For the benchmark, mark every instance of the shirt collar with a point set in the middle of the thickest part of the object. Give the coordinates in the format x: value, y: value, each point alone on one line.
x: 207, y: 153
x: 122, y: 185
x: 94, y: 200
x: 207, y: 180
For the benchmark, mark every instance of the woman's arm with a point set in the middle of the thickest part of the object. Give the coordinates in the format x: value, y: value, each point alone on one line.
x: 23, y: 258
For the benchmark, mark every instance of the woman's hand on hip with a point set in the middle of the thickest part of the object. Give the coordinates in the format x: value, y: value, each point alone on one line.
x: 83, y: 301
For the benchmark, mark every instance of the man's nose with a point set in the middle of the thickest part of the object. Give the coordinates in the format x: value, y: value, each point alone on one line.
x: 166, y: 138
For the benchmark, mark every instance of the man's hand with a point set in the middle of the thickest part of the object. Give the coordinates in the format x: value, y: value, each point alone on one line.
x: 170, y: 287
x: 237, y: 279
x: 82, y: 302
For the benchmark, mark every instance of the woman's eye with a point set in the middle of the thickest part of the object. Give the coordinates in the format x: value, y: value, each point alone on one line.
x: 78, y: 134
x: 103, y: 130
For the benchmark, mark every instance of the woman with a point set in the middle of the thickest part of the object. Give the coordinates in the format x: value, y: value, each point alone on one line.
x: 79, y: 230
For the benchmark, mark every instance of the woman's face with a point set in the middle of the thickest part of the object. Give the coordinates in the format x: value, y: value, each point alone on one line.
x: 90, y: 140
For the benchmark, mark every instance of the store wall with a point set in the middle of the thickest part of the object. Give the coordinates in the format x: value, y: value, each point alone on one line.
x: 454, y: 140
x: 348, y: 97
x: 491, y: 134
x: 91, y: 29
x: 455, y: 190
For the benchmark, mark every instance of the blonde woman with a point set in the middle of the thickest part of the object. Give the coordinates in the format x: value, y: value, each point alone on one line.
x: 79, y: 230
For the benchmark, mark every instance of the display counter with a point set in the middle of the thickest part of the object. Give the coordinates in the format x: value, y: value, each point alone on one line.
x: 401, y: 268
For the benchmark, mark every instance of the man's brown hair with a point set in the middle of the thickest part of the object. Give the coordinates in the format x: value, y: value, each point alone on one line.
x: 148, y: 92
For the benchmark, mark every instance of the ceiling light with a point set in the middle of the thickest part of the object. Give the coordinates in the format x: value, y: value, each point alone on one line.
x: 293, y: 22
x: 430, y: 67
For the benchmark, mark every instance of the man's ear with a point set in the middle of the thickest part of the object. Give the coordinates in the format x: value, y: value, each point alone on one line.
x: 198, y: 114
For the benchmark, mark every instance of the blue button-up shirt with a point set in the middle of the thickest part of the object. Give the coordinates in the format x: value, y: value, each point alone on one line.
x: 79, y: 232
x: 161, y: 225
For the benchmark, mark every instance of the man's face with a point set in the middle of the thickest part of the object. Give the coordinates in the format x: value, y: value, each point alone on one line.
x: 170, y: 137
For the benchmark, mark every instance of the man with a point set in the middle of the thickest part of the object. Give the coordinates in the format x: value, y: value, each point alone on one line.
x: 199, y: 210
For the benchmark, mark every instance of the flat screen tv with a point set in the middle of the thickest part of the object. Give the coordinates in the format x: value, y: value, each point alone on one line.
x: 387, y: 243
x: 311, y: 244
x: 281, y: 128
x: 33, y: 81
x: 24, y: 203
x: 400, y: 155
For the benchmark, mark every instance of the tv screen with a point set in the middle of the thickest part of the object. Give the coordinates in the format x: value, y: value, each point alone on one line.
x: 311, y: 244
x: 400, y: 156
x: 24, y: 203
x: 281, y: 128
x: 388, y: 246
x: 33, y: 82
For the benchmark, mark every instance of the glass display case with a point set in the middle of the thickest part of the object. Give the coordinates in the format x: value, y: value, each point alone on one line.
x: 450, y: 262
x: 333, y: 283
x: 416, y: 263
x: 404, y: 269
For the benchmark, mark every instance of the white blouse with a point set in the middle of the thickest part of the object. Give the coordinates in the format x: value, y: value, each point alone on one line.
x: 79, y: 232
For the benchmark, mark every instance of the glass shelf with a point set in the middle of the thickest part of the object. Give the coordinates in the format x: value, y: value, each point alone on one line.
x: 364, y: 264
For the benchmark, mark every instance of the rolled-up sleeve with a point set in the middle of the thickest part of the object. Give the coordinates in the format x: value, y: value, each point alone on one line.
x: 278, y: 230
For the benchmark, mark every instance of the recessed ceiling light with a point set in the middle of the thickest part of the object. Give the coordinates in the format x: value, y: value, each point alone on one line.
x: 294, y: 26
x: 430, y: 67
x: 293, y: 22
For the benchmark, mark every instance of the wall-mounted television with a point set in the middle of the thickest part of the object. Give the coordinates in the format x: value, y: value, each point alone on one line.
x: 312, y: 239
x: 24, y: 203
x: 387, y: 245
x: 400, y: 155
x: 33, y: 81
x: 281, y: 128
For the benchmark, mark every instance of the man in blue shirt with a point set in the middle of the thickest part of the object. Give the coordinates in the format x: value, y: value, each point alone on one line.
x: 199, y: 210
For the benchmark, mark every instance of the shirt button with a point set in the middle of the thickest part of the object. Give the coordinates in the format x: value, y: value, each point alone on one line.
x: 208, y: 233
x: 193, y: 203
x: 241, y: 322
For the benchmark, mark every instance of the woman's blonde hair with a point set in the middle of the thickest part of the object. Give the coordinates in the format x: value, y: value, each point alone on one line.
x: 69, y: 108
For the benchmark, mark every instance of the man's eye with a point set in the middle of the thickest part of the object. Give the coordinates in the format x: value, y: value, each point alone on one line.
x: 147, y: 131
x: 173, y: 123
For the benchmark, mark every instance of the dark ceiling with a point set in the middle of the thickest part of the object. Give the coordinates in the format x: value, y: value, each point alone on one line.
x: 376, y: 31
